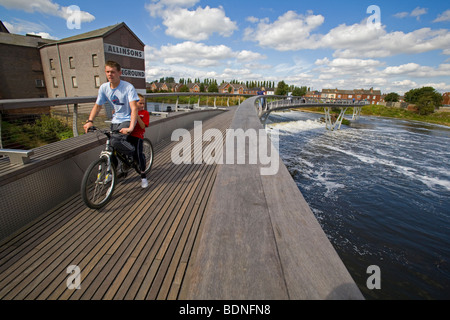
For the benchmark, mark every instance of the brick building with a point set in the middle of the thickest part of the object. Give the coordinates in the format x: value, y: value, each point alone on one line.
x: 33, y: 67
x: 75, y: 66
x: 21, y: 73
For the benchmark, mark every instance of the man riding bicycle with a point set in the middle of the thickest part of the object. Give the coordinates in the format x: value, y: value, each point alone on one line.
x: 123, y: 97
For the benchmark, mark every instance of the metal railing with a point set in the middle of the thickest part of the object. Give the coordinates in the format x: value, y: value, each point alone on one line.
x: 73, y: 112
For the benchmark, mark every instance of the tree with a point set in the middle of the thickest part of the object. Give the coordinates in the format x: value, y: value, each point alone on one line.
x: 184, y: 88
x: 426, y: 99
x: 213, y: 87
x: 426, y: 105
x: 299, y: 92
x: 392, y: 97
x: 282, y: 89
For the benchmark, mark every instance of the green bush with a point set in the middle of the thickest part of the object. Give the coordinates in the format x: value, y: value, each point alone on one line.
x: 43, y: 131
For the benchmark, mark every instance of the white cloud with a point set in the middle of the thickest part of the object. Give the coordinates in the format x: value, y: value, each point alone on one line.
x: 354, y: 63
x: 290, y: 31
x: 247, y: 56
x: 157, y: 7
x: 359, y: 40
x: 198, y: 54
x: 417, y: 12
x: 440, y: 86
x: 443, y: 17
x: 401, y: 15
x: 44, y: 7
x: 418, y: 71
x: 199, y: 24
x: 389, y: 44
x: 405, y: 68
x: 252, y: 19
x: 196, y: 25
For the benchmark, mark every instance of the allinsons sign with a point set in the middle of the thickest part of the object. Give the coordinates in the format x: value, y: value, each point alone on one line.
x: 122, y: 51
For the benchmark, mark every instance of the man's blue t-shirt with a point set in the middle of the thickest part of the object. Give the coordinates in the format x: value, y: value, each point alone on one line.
x: 119, y: 98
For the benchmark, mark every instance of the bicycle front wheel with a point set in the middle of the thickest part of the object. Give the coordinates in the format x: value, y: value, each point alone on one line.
x: 98, y: 183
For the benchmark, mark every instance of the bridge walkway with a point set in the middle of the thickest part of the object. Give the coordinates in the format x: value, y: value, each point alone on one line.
x: 137, y: 247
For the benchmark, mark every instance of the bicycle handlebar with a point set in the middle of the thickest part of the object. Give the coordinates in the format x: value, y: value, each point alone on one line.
x: 104, y: 131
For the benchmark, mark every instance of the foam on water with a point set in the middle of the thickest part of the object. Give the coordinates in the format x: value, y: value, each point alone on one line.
x: 381, y: 191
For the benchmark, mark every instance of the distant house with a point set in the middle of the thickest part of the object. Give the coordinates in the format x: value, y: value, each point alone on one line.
x: 159, y: 86
x: 193, y: 87
x: 371, y: 95
x: 232, y: 88
x: 446, y: 99
x: 313, y: 94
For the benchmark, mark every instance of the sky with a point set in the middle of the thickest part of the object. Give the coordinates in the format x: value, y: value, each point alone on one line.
x: 392, y: 46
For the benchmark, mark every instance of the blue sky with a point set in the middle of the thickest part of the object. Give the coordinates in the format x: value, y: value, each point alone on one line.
x: 318, y: 44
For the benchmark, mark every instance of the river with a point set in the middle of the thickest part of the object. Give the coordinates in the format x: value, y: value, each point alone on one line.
x: 380, y: 188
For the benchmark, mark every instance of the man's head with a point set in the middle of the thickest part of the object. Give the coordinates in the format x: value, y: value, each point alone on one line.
x: 113, y: 71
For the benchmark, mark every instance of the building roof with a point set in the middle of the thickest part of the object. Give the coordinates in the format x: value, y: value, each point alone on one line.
x: 3, y: 28
x: 354, y: 91
x: 32, y: 41
x: 99, y: 33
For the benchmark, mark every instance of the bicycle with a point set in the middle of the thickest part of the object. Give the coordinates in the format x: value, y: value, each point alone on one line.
x: 100, y: 178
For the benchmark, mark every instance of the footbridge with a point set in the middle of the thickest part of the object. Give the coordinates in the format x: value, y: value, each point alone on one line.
x: 278, y: 103
x: 200, y: 231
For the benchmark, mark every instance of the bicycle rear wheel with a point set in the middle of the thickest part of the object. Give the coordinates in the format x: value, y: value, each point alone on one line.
x: 148, y: 153
x: 98, y: 183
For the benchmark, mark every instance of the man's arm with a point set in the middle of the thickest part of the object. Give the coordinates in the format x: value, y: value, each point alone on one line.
x: 134, y: 117
x: 94, y: 112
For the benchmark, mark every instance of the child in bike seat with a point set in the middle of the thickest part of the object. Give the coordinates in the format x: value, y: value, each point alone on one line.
x: 136, y: 137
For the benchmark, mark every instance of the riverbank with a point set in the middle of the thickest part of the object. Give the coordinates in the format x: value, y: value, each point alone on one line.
x: 441, y: 118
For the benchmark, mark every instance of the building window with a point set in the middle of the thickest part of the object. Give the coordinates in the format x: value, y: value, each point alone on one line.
x: 71, y: 63
x: 55, y: 82
x: 40, y: 83
x: 95, y: 60
x: 52, y: 64
x: 97, y: 81
x: 74, y: 82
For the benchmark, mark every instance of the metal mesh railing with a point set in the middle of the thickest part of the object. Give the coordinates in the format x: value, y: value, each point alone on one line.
x: 30, y: 123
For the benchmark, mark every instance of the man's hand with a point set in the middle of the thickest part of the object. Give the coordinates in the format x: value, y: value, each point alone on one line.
x: 87, y: 126
x: 125, y: 131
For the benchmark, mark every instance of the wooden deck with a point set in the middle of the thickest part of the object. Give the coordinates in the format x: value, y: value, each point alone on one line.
x: 137, y: 247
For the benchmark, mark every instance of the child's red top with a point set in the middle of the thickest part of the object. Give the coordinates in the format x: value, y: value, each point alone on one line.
x: 138, y: 131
